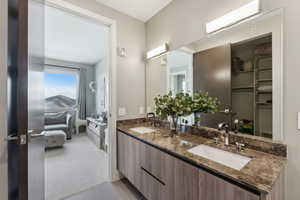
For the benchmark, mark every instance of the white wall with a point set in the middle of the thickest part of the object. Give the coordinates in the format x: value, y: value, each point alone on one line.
x: 131, y: 69
x: 171, y: 25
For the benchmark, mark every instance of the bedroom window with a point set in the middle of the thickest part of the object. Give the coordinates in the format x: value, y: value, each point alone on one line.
x: 61, y: 87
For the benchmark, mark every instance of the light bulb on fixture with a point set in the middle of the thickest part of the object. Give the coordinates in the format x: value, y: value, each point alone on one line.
x: 234, y: 16
x: 158, y: 51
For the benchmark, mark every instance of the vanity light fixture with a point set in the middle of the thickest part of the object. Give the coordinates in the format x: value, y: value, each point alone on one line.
x: 234, y: 16
x: 158, y: 51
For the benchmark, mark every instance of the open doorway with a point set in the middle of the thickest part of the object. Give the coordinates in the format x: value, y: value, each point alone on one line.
x: 76, y: 81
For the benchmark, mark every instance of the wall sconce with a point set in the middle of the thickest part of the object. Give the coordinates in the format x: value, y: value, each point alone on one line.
x: 234, y: 16
x: 158, y: 51
x: 92, y: 87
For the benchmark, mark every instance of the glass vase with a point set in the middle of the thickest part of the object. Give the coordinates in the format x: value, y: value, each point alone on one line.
x: 197, y: 119
x: 174, y: 126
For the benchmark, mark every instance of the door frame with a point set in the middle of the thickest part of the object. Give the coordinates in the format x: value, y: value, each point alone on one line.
x: 3, y: 99
x: 76, y: 10
x: 112, y: 150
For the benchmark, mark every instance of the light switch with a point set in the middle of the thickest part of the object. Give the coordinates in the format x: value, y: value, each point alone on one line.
x: 122, y: 52
x: 122, y: 111
x: 298, y: 120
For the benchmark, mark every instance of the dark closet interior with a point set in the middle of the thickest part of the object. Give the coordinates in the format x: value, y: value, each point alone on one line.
x: 240, y: 76
x: 251, y: 81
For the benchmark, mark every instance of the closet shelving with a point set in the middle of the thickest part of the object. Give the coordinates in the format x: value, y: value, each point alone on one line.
x: 264, y: 80
x: 243, y: 87
x: 264, y: 103
x: 259, y: 104
x: 252, y: 88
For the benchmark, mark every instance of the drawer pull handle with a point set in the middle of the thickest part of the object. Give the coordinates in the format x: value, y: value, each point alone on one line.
x: 161, y: 182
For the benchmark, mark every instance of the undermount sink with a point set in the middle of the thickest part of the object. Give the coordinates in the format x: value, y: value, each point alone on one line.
x: 226, y: 158
x: 142, y: 130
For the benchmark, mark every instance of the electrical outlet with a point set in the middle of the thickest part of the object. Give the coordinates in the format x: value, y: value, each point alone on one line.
x: 122, y: 111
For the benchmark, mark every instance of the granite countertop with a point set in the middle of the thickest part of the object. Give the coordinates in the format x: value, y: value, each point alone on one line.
x: 259, y: 174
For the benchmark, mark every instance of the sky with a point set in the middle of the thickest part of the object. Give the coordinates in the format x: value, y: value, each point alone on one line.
x: 60, y: 84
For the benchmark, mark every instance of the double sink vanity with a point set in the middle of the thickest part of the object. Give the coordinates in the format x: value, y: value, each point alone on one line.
x: 193, y: 166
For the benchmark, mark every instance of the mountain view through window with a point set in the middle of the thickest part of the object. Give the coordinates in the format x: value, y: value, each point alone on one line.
x: 60, y: 91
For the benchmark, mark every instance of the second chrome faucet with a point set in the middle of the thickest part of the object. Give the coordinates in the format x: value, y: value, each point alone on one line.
x: 225, y: 126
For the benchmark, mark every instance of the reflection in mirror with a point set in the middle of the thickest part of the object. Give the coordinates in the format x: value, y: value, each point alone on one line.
x: 251, y: 84
x: 241, y: 66
x: 179, y: 70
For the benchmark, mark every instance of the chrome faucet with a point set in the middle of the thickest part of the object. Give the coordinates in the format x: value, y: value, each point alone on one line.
x: 225, y: 126
x: 239, y: 146
x: 237, y: 124
x: 151, y: 118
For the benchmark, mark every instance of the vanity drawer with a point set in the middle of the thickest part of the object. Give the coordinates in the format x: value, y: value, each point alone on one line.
x: 151, y: 187
x: 154, y: 161
x: 214, y: 188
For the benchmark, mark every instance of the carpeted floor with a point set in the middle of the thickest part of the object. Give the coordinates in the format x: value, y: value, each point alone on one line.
x: 78, y: 166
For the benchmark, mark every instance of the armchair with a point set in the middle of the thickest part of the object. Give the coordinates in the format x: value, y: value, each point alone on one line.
x: 59, y: 121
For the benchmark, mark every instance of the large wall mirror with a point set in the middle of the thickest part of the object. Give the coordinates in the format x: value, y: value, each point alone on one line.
x: 240, y: 65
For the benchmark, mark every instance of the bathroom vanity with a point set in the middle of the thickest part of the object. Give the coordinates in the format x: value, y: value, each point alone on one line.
x: 242, y: 67
x: 162, y: 167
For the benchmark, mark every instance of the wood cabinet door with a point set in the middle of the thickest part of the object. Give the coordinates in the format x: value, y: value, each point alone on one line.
x: 186, y: 180
x: 129, y: 159
x: 151, y: 187
x: 215, y: 188
x: 153, y: 160
x: 161, y: 166
x: 121, y: 162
